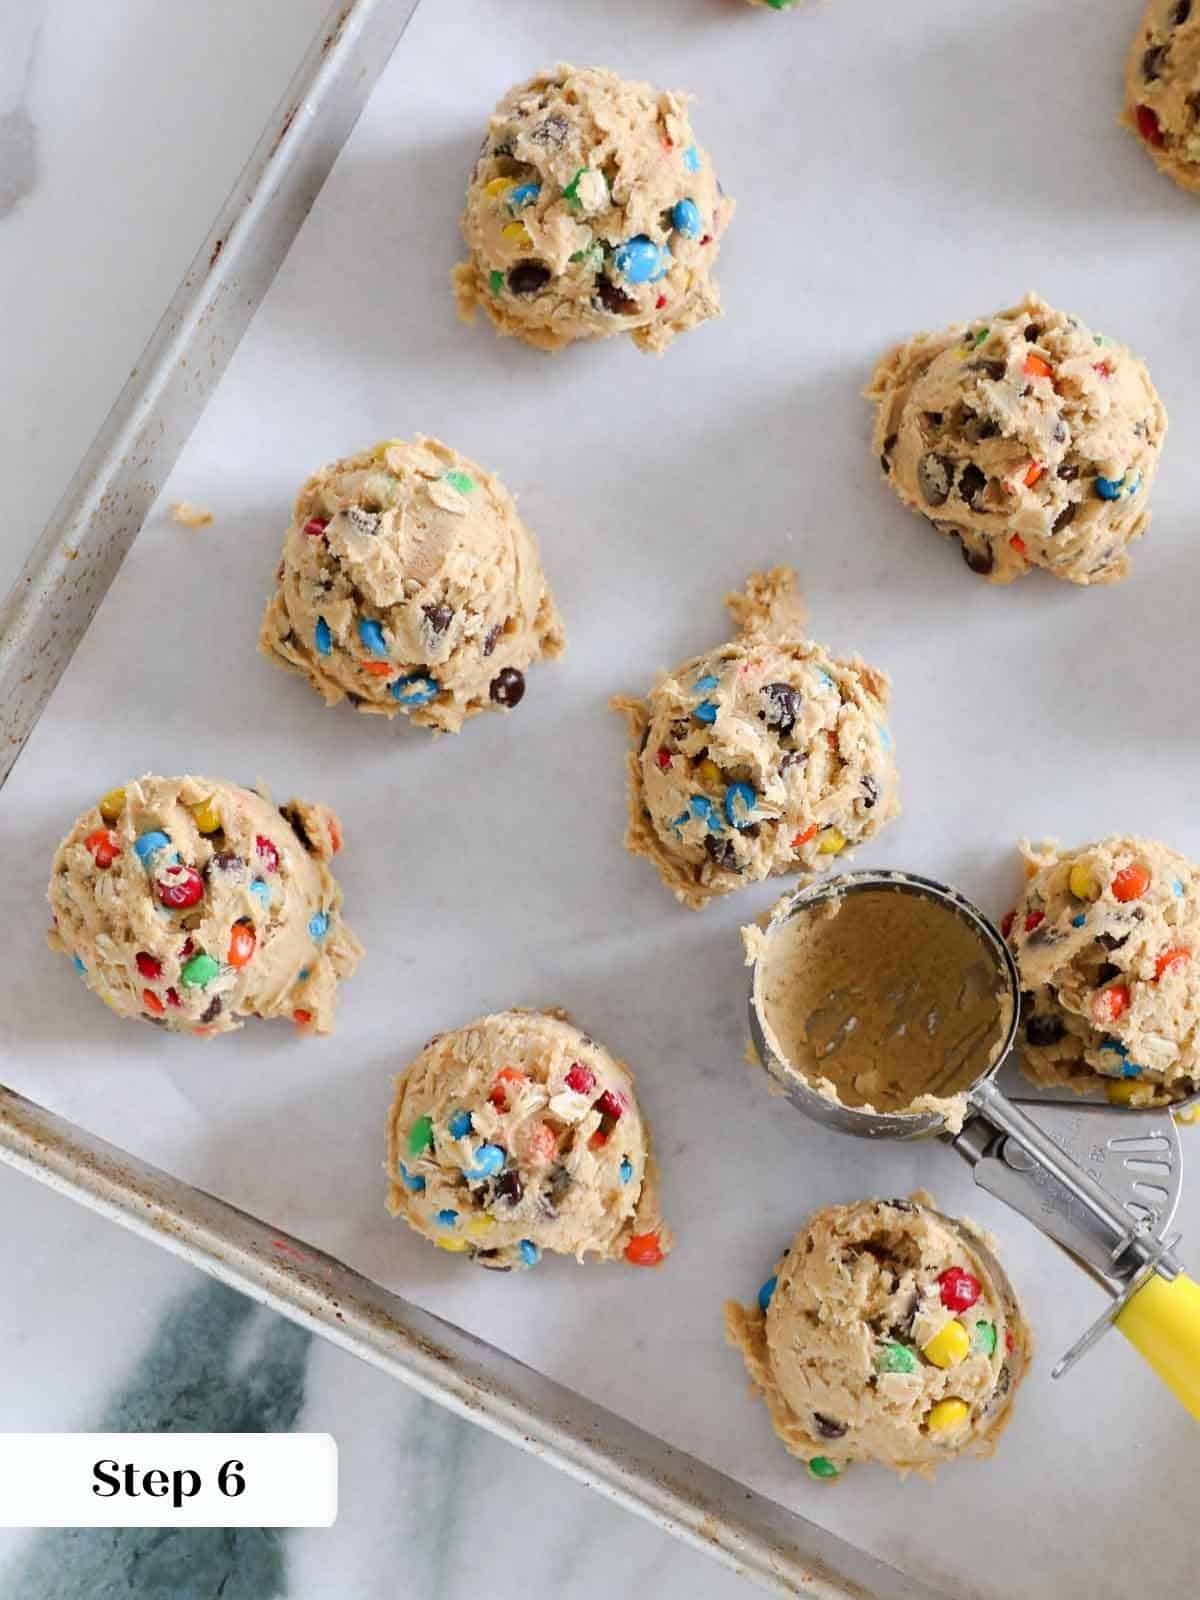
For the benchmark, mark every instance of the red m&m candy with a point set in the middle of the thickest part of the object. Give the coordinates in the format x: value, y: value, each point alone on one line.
x: 959, y: 1289
x: 179, y: 887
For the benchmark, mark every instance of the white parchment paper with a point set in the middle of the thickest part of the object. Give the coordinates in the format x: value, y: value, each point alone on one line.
x: 896, y: 166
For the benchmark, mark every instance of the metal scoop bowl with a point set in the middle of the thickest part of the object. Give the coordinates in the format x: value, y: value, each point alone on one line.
x: 1111, y: 1215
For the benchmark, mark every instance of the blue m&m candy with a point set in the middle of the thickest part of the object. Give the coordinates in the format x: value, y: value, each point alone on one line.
x: 318, y: 925
x: 640, y: 260
x: 411, y: 1180
x: 691, y: 158
x: 740, y: 800
x: 371, y: 634
x: 460, y: 1124
x: 523, y: 195
x: 1110, y: 488
x: 702, y: 808
x: 261, y: 890
x: 530, y: 1254
x: 415, y: 690
x: 147, y: 845
x: 686, y: 217
x: 447, y: 1218
x: 79, y: 966
x: 626, y: 1169
x: 489, y: 1159
x: 322, y: 638
x: 767, y: 1290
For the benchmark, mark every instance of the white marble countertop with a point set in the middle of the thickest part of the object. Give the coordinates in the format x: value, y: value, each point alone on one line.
x: 122, y: 127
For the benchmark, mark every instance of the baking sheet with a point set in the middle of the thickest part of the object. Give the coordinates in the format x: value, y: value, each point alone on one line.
x: 895, y: 167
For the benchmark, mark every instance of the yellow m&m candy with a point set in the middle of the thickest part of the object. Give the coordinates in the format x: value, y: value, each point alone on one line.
x: 112, y: 804
x: 949, y: 1345
x: 947, y: 1415
x: 1081, y: 883
x: 206, y: 816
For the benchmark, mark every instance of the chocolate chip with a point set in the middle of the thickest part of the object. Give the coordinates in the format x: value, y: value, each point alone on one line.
x: 935, y: 476
x: 1107, y: 972
x: 1111, y: 941
x: 1003, y: 1381
x: 994, y: 369
x: 297, y: 826
x: 489, y: 644
x: 1066, y: 516
x: 721, y: 852
x: 827, y: 1427
x: 1060, y: 431
x: 1152, y: 61
x: 439, y: 617
x: 1181, y: 13
x: 509, y: 1187
x: 1041, y: 1031
x: 980, y: 561
x: 1068, y: 472
x: 975, y: 427
x: 781, y: 706
x: 508, y: 687
x: 971, y: 484
x: 935, y: 418
x: 364, y: 522
x: 226, y: 861
x: 613, y: 299
x: 901, y: 1205
x: 557, y: 1185
x: 1033, y: 333
x: 213, y: 1011
x: 551, y: 132
x: 528, y: 277
x: 793, y: 758
x: 870, y: 791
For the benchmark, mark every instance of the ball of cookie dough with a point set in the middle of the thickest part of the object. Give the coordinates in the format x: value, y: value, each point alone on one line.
x: 410, y: 585
x: 763, y: 756
x: 1107, y: 939
x: 193, y: 904
x: 1025, y: 436
x: 519, y: 1134
x: 1162, y: 88
x: 887, y: 1333
x: 591, y: 211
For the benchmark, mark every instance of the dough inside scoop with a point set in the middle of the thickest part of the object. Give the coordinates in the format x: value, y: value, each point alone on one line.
x: 883, y: 1000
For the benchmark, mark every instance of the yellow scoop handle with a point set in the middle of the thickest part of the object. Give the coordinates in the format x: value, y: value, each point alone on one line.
x: 1162, y: 1323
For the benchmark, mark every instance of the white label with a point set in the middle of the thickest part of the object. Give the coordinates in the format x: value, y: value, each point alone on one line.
x: 168, y: 1480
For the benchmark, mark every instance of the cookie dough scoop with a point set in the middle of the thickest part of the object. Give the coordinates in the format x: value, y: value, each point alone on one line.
x: 1107, y: 940
x: 883, y: 1005
x: 1025, y: 437
x: 886, y: 1332
x: 519, y: 1134
x: 591, y: 211
x: 1162, y: 89
x: 766, y: 755
x: 410, y: 586
x: 193, y: 904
